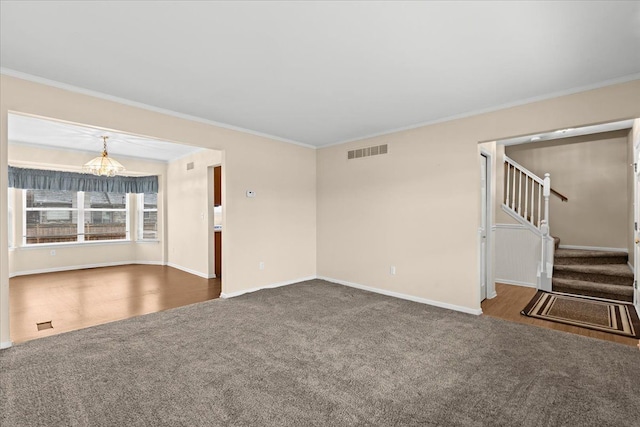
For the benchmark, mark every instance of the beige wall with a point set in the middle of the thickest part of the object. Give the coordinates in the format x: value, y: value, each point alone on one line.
x: 277, y: 227
x: 417, y: 207
x: 591, y: 171
x: 188, y: 213
x: 25, y: 260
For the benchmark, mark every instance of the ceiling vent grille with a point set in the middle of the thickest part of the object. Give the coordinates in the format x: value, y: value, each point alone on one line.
x: 368, y: 151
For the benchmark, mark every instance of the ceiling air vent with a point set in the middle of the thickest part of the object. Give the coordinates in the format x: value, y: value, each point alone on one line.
x: 366, y: 152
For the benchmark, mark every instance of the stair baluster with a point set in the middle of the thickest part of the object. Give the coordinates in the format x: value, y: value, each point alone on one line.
x: 517, y: 178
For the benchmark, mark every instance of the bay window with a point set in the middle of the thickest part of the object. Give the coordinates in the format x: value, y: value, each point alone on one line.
x: 53, y: 216
x: 148, y: 216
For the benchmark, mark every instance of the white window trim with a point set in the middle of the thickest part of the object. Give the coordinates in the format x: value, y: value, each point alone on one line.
x: 141, y: 212
x: 10, y: 219
x: 80, y: 210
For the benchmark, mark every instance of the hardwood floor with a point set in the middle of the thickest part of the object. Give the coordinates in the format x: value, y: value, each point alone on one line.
x: 77, y: 299
x: 512, y: 299
x: 81, y: 298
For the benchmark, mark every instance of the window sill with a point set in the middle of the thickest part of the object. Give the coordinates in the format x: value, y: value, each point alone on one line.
x: 148, y: 241
x: 74, y: 244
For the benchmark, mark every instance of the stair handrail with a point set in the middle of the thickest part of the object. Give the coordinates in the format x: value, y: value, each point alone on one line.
x: 516, y: 209
x: 559, y: 195
x: 535, y: 177
x: 523, y: 169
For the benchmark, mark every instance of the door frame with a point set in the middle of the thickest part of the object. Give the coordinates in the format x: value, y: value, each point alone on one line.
x: 490, y: 250
x: 636, y: 216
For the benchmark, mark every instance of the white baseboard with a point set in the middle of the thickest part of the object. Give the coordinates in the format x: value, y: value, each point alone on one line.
x: 4, y: 345
x: 594, y: 248
x: 68, y: 268
x: 107, y: 264
x: 476, y: 311
x: 189, y: 270
x: 270, y: 286
x: 148, y: 262
x: 517, y: 283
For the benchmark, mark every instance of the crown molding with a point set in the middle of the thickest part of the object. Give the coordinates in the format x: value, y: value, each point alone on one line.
x: 610, y: 82
x: 71, y: 88
x: 36, y: 79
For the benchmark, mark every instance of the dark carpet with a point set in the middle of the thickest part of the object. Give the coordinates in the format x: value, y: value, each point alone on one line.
x: 317, y: 353
x: 607, y: 316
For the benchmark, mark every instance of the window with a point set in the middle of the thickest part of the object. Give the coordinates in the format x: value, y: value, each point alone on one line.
x: 74, y: 216
x: 51, y: 216
x: 148, y: 216
x: 105, y: 216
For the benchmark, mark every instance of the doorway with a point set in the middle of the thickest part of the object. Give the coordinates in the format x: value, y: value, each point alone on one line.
x: 83, y: 258
x: 217, y: 219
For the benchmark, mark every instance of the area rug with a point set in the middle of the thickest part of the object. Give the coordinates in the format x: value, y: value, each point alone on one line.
x: 607, y: 316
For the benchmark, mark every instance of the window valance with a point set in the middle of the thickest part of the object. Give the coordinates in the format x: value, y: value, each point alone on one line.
x: 38, y: 179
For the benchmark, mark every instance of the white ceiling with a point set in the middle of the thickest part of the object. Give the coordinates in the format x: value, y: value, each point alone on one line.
x: 321, y: 73
x: 54, y: 134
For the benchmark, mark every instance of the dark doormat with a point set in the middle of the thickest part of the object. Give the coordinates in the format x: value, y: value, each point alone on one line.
x: 601, y: 315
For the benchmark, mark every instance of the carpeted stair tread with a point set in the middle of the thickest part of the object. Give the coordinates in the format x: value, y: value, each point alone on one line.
x: 620, y: 270
x: 615, y: 274
x: 576, y: 256
x: 579, y: 253
x: 600, y: 290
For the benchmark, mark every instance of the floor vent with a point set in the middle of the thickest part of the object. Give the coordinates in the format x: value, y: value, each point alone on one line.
x: 368, y: 151
x: 44, y: 325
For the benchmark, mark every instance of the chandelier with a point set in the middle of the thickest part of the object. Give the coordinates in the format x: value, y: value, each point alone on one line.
x: 103, y: 165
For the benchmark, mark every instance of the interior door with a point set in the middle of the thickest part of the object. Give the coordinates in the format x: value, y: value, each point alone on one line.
x: 483, y: 226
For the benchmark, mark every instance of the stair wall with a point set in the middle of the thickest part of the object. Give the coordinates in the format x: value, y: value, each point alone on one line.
x: 517, y: 255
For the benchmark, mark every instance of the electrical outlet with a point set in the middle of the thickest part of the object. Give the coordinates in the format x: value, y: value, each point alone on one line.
x: 392, y: 270
x: 52, y: 252
x: 261, y: 265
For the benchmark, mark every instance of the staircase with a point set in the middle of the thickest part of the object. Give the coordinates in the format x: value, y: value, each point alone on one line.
x: 600, y: 274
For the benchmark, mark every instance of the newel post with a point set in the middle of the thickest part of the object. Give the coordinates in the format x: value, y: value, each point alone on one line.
x: 546, y: 192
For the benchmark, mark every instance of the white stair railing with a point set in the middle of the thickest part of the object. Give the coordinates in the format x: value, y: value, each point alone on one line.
x: 524, y: 192
x: 526, y: 198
